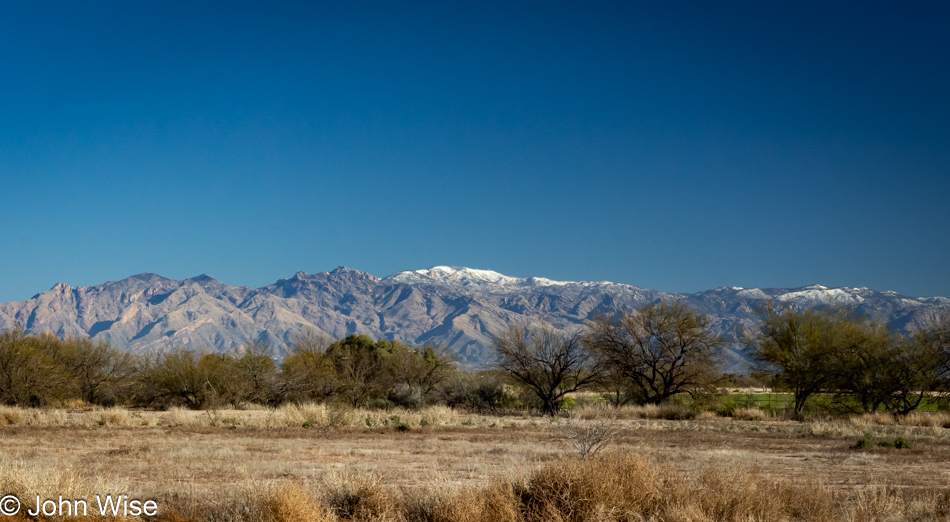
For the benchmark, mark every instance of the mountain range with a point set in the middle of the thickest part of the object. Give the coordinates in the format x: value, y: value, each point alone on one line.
x: 455, y: 306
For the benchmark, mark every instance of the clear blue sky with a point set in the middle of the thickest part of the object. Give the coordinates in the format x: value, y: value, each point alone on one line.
x: 679, y: 146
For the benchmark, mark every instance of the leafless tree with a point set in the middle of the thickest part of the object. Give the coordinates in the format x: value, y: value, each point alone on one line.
x: 548, y: 362
x: 659, y: 350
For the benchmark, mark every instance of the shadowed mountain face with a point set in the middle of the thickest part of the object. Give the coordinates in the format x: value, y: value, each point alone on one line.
x: 458, y: 307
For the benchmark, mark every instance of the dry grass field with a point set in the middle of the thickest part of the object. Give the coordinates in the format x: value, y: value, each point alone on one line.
x: 318, y: 463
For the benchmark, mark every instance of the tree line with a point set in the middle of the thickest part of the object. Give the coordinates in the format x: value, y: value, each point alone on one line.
x: 643, y: 356
x: 648, y: 355
x: 44, y: 370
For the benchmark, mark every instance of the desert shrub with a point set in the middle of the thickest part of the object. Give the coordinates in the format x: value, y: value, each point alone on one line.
x: 902, y: 443
x: 590, y: 433
x: 735, y: 494
x: 114, y: 417
x: 479, y: 392
x: 496, y: 502
x: 751, y: 414
x: 361, y: 498
x: 398, y: 423
x: 578, y: 490
x: 621, y: 486
x: 670, y: 411
x: 407, y: 396
x: 567, y: 403
x: 924, y: 419
x: 724, y: 405
x: 866, y: 443
x: 377, y: 403
x: 10, y: 415
x: 294, y: 503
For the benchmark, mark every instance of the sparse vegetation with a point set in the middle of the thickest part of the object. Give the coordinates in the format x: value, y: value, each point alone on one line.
x: 376, y: 430
x: 664, y: 470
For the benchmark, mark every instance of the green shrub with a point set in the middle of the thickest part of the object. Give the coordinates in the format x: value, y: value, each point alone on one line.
x: 902, y: 443
x: 865, y: 443
x: 568, y: 403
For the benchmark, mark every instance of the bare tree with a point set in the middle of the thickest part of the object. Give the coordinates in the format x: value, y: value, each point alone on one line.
x: 548, y: 362
x: 658, y: 351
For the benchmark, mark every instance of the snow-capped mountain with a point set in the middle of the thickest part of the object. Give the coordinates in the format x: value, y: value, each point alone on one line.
x: 484, y: 280
x: 456, y: 306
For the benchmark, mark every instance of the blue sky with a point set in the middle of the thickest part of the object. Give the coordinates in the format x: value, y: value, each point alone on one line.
x: 680, y: 147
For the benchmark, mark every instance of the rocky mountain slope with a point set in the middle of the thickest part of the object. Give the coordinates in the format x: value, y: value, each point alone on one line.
x: 458, y: 307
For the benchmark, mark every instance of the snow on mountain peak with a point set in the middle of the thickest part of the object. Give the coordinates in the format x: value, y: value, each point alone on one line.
x: 468, y: 278
x: 817, y: 294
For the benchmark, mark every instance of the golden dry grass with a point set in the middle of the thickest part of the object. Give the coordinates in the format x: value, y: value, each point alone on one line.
x: 294, y: 503
x: 311, y: 462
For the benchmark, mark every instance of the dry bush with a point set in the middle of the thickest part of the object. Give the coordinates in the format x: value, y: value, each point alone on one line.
x: 749, y: 414
x: 647, y: 411
x: 578, y: 490
x: 740, y: 493
x: 439, y: 416
x: 924, y: 505
x: 114, y: 417
x: 296, y: 415
x: 878, y: 418
x: 735, y: 494
x: 361, y: 498
x: 875, y: 504
x: 178, y: 416
x: 294, y: 503
x: 625, y: 487
x: 10, y: 415
x: 75, y: 404
x: 590, y: 434
x: 496, y: 502
x: 925, y: 419
x: 675, y: 412
x: 668, y: 411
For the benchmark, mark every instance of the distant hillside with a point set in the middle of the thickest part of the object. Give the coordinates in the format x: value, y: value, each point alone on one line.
x: 458, y: 307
